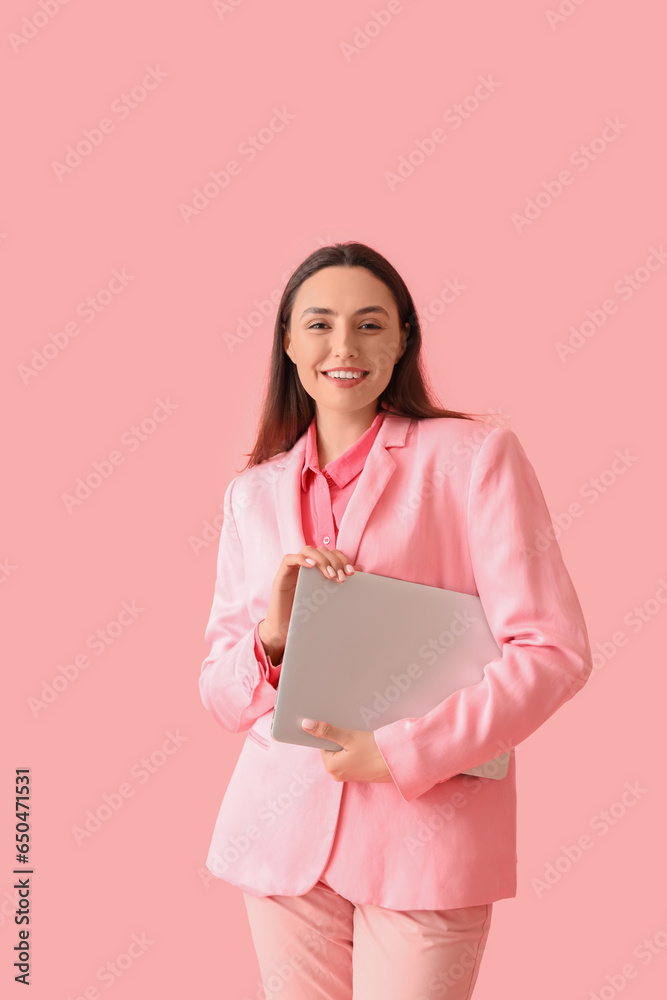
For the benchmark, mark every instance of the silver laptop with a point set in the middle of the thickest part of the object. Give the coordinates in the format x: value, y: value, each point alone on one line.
x: 372, y: 650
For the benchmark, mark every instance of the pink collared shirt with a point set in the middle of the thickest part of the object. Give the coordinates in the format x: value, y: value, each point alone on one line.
x: 325, y: 493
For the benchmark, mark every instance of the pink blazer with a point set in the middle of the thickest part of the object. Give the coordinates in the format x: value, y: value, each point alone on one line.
x: 447, y: 502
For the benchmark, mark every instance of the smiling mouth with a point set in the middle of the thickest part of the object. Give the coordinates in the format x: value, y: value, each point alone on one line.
x: 342, y: 376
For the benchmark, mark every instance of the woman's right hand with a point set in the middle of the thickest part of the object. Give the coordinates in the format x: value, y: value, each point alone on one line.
x: 332, y: 563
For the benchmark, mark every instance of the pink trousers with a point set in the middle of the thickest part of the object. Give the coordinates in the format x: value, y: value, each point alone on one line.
x: 320, y: 946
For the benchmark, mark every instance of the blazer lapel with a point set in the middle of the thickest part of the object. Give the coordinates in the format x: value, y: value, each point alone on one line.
x: 372, y: 481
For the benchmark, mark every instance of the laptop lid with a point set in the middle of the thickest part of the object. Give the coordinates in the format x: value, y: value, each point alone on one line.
x: 372, y: 650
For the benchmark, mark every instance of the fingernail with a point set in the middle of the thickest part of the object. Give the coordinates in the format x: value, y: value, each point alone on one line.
x: 308, y: 723
x: 311, y: 562
x: 349, y: 568
x: 331, y: 571
x: 341, y: 575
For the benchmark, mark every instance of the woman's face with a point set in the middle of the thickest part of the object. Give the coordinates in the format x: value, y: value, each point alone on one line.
x: 344, y: 318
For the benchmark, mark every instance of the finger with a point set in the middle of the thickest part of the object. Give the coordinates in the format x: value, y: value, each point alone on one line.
x: 296, y: 559
x: 324, y: 729
x: 346, y: 563
x: 341, y: 563
x: 330, y: 564
x: 310, y: 556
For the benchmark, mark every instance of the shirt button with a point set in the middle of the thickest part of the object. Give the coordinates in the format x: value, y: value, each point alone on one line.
x: 325, y: 540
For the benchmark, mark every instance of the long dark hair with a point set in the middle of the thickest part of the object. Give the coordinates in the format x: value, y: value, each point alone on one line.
x: 287, y: 409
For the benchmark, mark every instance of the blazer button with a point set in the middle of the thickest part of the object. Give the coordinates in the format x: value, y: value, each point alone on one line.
x: 325, y: 540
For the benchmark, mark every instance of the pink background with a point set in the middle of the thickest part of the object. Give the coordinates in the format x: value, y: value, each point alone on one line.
x: 218, y: 77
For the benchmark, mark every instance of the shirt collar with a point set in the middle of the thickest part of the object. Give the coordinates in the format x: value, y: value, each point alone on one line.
x: 346, y: 466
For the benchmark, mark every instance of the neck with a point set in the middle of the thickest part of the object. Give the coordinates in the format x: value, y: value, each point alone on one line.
x: 336, y: 432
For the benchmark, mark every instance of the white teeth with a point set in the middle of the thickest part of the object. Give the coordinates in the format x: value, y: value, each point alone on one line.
x: 343, y: 375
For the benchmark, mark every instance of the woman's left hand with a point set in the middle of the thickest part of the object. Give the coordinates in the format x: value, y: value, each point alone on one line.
x: 359, y: 760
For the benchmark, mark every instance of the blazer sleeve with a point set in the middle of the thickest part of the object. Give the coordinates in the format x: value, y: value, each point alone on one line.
x: 271, y: 670
x: 235, y: 683
x: 535, y: 617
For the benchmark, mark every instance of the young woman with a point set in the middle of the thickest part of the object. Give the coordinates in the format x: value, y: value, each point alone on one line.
x: 370, y: 872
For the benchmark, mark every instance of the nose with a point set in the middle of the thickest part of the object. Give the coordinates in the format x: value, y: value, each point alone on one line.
x: 342, y: 343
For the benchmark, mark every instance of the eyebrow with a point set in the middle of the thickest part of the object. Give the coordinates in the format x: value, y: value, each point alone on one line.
x: 331, y: 312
